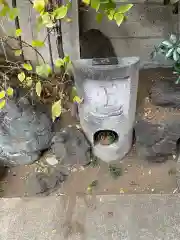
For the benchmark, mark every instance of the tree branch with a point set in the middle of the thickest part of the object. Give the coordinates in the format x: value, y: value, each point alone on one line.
x: 28, y: 45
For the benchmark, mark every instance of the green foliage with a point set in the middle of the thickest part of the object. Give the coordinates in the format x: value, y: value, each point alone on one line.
x: 108, y: 8
x: 13, y: 13
x: 18, y: 32
x: 171, y: 50
x: 60, y: 12
x: 21, y: 76
x: 37, y: 43
x: 56, y: 110
x: 27, y: 66
x: 115, y: 171
x: 48, y: 18
x: 18, y: 52
x: 5, y: 94
x: 44, y: 70
x: 38, y: 88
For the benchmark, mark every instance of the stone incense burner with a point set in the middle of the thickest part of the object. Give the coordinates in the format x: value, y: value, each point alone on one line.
x: 107, y: 113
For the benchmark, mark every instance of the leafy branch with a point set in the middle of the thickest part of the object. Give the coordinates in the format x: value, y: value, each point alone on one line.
x: 170, y: 49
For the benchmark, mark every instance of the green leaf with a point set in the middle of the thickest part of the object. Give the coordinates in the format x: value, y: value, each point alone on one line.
x: 18, y: 32
x: 61, y: 12
x: 37, y: 43
x: 124, y: 8
x: 2, y: 94
x: 13, y: 13
x: 56, y: 110
x: 39, y: 23
x: 39, y: 5
x: 111, y: 14
x: 21, y: 76
x: 18, y: 53
x: 169, y: 53
x: 87, y: 2
x: 47, y: 20
x: 175, y: 56
x: 59, y: 62
x: 43, y: 70
x: 27, y: 66
x: 173, y: 38
x: 66, y: 59
x: 118, y: 17
x: 9, y: 91
x: 38, y: 88
x: 178, y: 50
x: 4, y: 11
x: 178, y: 80
x: 95, y: 4
x: 29, y: 81
x: 99, y: 17
x: 2, y: 104
x: 167, y: 44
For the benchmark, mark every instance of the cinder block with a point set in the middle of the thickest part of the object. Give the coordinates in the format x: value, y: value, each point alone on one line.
x: 137, y: 47
x: 143, y: 21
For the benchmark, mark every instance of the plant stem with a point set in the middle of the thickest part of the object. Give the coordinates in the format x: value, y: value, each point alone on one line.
x: 50, y: 50
x: 17, y: 25
x: 59, y: 35
x: 27, y: 45
x: 49, y: 39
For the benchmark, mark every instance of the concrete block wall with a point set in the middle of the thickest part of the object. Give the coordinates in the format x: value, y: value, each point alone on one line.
x: 147, y: 25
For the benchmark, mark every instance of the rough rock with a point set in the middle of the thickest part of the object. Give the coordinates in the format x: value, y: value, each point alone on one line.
x: 157, y: 133
x: 71, y: 147
x: 25, y: 132
x: 166, y: 92
x: 47, y: 177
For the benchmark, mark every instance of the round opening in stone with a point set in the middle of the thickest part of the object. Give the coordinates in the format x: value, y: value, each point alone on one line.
x: 105, y: 137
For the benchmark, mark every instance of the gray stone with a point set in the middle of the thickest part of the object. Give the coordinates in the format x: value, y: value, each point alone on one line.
x: 156, y: 141
x: 166, y: 93
x: 43, y: 184
x: 25, y: 132
x: 71, y: 146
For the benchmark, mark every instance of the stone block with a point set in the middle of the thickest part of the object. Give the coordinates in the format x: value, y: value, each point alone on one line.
x: 166, y: 93
x: 157, y: 132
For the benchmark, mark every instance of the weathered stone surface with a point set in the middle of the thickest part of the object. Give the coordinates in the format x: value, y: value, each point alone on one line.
x: 25, y: 132
x: 71, y: 146
x: 166, y: 93
x: 157, y: 136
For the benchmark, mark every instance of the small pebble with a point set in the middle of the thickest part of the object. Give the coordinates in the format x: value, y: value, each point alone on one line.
x: 174, y: 156
x: 14, y: 174
x: 78, y: 126
x: 149, y: 172
x: 81, y: 168
x: 129, y: 165
x: 121, y: 190
x: 152, y: 190
x: 74, y: 170
x: 52, y: 160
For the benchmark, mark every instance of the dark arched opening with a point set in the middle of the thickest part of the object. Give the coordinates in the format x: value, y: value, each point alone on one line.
x: 105, y: 137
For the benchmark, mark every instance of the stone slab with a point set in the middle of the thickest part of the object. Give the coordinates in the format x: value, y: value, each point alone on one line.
x: 128, y: 217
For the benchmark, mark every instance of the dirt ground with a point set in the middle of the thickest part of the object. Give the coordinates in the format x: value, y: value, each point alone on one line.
x: 138, y: 175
